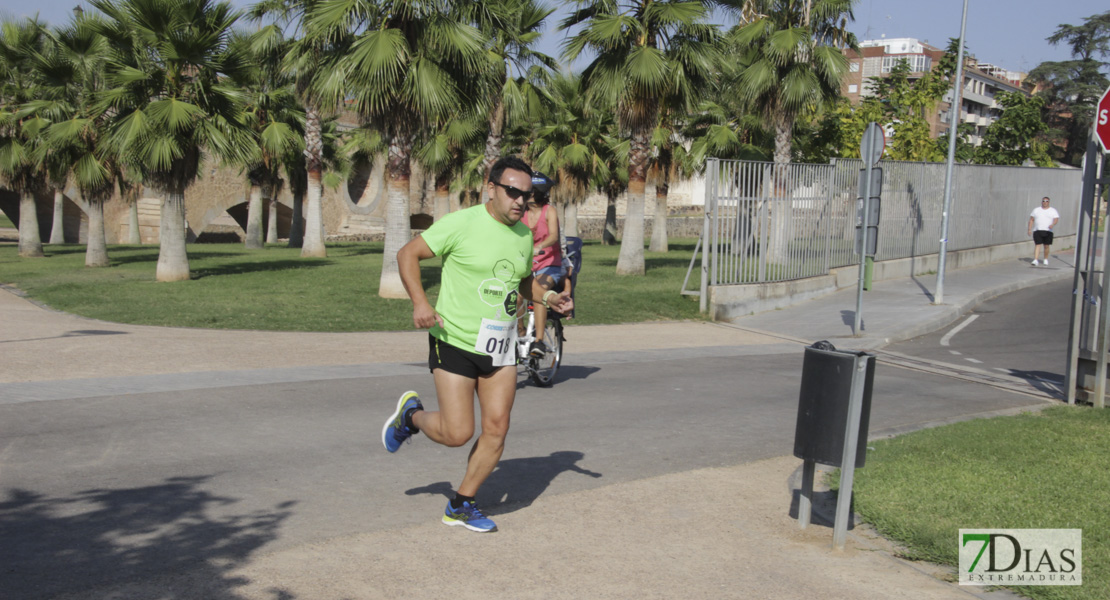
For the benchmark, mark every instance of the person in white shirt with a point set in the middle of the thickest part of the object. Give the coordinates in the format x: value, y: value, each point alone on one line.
x: 1041, y: 223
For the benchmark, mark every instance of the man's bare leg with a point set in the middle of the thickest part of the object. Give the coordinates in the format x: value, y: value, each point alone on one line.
x: 453, y: 424
x: 496, y: 393
x: 547, y: 283
x: 541, y: 320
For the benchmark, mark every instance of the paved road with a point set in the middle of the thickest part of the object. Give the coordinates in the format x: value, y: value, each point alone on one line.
x: 1023, y: 334
x: 168, y: 477
x: 231, y: 470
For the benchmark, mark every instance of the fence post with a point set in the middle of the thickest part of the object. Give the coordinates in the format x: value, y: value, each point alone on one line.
x: 707, y: 241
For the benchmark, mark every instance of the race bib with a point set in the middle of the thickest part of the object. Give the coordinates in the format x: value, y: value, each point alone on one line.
x: 497, y: 338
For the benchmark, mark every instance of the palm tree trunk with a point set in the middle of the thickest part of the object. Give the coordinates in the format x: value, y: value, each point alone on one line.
x: 254, y: 218
x: 631, y: 258
x: 784, y: 130
x: 96, y: 248
x: 296, y: 228
x: 57, y: 227
x: 781, y: 205
x: 570, y: 222
x: 659, y: 224
x: 398, y: 228
x: 313, y: 242
x: 30, y: 240
x: 173, y: 261
x: 493, y: 140
x: 272, y: 222
x: 133, y: 236
x: 442, y: 203
x: 609, y: 235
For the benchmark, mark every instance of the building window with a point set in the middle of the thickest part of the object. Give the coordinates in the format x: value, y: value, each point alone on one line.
x: 853, y: 67
x: 919, y: 63
x: 853, y: 88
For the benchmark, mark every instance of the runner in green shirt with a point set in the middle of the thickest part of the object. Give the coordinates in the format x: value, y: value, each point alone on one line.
x: 487, y: 262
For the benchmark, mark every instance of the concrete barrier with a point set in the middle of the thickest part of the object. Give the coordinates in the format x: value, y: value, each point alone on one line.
x: 731, y: 301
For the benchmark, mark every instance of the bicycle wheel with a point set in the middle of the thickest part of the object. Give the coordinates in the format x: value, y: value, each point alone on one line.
x: 543, y: 369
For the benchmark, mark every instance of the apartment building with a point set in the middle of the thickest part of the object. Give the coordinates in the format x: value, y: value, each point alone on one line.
x: 982, y: 81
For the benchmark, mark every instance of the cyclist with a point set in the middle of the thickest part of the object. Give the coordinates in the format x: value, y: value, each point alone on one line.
x: 547, y: 256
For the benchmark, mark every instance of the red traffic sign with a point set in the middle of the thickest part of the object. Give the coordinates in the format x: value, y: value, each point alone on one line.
x: 1102, y: 121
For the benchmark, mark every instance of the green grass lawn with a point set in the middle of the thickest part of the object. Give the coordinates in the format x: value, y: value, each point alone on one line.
x: 5, y: 222
x: 276, y: 289
x: 1033, y: 471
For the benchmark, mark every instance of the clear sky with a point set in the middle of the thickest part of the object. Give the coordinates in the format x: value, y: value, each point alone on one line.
x: 1007, y: 33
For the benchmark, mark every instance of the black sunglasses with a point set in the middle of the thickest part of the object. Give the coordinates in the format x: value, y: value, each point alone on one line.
x: 513, y: 192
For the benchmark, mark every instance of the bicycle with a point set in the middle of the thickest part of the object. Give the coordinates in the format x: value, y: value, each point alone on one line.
x: 542, y: 370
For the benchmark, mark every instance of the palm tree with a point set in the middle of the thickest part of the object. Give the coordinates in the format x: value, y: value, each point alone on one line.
x: 571, y: 146
x: 613, y: 184
x: 444, y: 154
x: 791, y: 52
x: 170, y: 92
x: 647, y: 52
x: 411, y: 64
x: 20, y: 129
x: 311, y: 62
x: 276, y: 123
x: 517, y: 74
x: 669, y: 163
x: 72, y: 72
x: 333, y: 164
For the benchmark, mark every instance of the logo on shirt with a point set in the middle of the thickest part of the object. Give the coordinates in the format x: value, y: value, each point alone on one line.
x: 497, y: 292
x: 503, y: 269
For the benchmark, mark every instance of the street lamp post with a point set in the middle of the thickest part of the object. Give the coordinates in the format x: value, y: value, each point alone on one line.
x: 953, y: 126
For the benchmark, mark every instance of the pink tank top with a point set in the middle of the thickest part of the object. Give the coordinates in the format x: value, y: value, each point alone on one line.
x: 551, y: 256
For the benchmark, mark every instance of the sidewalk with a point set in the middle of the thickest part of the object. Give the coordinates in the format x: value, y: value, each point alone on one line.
x: 903, y: 308
x: 735, y: 538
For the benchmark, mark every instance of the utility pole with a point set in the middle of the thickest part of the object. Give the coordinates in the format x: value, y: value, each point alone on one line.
x: 953, y: 126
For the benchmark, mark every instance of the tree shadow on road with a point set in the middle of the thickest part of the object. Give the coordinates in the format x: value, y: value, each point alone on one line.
x: 108, y: 537
x: 517, y: 482
x: 1051, y: 384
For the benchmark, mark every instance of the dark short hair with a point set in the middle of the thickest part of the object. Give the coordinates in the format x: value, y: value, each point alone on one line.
x: 507, y: 162
x: 1045, y: 199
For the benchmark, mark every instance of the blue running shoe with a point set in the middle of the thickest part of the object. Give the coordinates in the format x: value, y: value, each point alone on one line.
x: 468, y: 516
x: 395, y: 432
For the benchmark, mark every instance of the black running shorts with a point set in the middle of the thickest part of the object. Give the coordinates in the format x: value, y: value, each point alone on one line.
x: 442, y: 355
x: 1042, y: 237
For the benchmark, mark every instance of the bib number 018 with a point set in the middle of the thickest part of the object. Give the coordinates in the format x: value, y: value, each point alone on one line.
x: 497, y: 346
x: 496, y: 339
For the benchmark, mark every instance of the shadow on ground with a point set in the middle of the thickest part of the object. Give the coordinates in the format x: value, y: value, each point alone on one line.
x: 105, y: 537
x: 73, y: 333
x: 1051, y: 384
x: 516, y: 483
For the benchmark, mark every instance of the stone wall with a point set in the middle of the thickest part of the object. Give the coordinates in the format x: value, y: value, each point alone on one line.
x: 355, y: 210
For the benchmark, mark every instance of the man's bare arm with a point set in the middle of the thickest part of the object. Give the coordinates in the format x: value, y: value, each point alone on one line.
x: 531, y: 289
x: 408, y: 263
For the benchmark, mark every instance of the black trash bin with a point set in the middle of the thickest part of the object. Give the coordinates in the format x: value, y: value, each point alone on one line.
x: 823, y: 405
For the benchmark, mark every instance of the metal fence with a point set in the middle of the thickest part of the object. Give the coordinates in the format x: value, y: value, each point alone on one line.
x: 768, y: 222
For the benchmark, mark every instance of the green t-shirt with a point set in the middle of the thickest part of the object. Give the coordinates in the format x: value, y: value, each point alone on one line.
x: 483, y: 263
